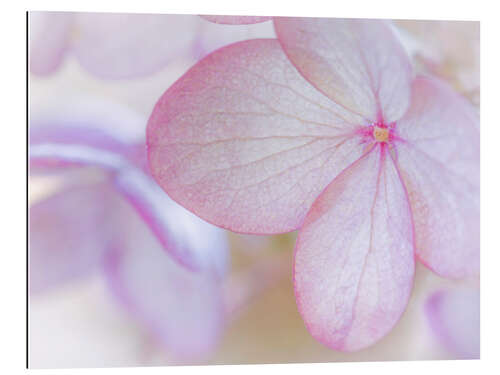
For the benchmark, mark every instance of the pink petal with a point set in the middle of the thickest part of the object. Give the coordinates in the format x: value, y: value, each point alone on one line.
x: 131, y: 45
x: 439, y: 163
x: 354, y: 260
x: 243, y: 141
x: 357, y: 63
x: 236, y: 20
x: 67, y: 236
x: 181, y: 308
x: 49, y: 39
x: 454, y: 318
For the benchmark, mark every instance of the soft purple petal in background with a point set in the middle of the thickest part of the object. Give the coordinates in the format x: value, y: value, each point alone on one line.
x: 211, y: 36
x: 183, y: 309
x: 50, y: 35
x: 109, y: 45
x: 184, y: 236
x: 129, y: 45
x: 236, y: 20
x: 454, y: 318
x: 68, y: 235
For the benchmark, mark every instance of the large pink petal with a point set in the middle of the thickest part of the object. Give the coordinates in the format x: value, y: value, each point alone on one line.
x: 439, y: 161
x: 67, y: 236
x: 243, y: 141
x: 454, y: 318
x: 181, y: 308
x: 49, y: 39
x: 357, y: 63
x: 236, y: 20
x: 354, y: 260
x: 130, y: 45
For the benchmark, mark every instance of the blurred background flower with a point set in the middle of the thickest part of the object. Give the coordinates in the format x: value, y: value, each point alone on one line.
x: 453, y: 316
x: 78, y: 319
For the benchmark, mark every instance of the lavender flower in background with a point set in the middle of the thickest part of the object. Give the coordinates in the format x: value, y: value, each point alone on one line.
x: 162, y: 263
x: 446, y: 49
x: 112, y: 45
x: 453, y: 316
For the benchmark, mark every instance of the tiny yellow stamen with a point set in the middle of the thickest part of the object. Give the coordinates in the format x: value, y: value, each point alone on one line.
x: 380, y: 134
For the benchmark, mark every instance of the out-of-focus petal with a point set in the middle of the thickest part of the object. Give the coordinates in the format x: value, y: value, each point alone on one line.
x: 354, y: 260
x: 236, y: 20
x: 359, y: 64
x: 49, y: 38
x: 67, y: 236
x: 449, y: 49
x: 181, y: 308
x: 454, y: 318
x: 130, y: 45
x: 82, y: 130
x: 439, y: 162
x: 68, y: 145
x: 243, y: 141
x: 86, y: 141
x: 191, y: 241
x: 212, y: 36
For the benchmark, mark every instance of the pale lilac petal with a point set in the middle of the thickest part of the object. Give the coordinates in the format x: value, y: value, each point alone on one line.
x: 212, y: 36
x: 181, y: 308
x: 243, y: 141
x: 112, y: 45
x: 67, y: 236
x: 58, y: 145
x: 188, y: 239
x: 84, y: 141
x: 354, y: 258
x: 49, y: 34
x: 448, y: 49
x: 82, y: 130
x: 359, y: 64
x: 87, y: 110
x: 454, y: 318
x: 236, y: 20
x: 439, y: 162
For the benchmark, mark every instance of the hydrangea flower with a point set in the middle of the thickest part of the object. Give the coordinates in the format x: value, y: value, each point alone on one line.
x: 453, y: 316
x: 115, y: 45
x: 326, y: 130
x: 162, y: 263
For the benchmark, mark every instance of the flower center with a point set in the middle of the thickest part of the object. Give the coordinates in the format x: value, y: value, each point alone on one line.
x: 380, y: 134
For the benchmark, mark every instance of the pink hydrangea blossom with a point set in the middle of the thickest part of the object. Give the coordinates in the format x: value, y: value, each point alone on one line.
x: 162, y: 263
x: 327, y: 130
x: 453, y: 316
